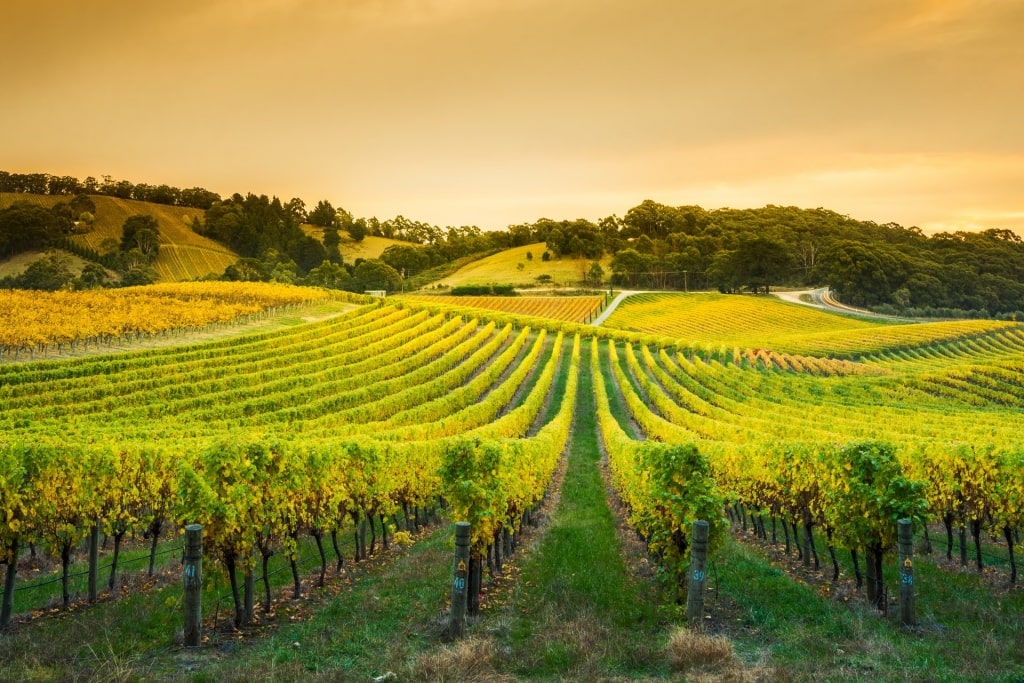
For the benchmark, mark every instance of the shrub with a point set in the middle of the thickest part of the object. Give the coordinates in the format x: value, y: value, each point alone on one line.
x: 484, y: 290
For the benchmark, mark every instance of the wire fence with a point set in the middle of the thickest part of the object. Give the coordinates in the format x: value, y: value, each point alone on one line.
x: 303, y: 562
x: 938, y: 543
x: 994, y: 552
x: 939, y: 546
x: 85, y: 572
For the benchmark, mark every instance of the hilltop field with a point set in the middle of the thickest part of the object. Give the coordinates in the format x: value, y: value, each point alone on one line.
x: 184, y: 254
x: 524, y: 267
x: 313, y: 442
x: 369, y: 247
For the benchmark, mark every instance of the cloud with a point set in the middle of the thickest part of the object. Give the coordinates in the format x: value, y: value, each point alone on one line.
x: 888, y: 110
x: 423, y: 12
x: 942, y: 25
x: 345, y: 13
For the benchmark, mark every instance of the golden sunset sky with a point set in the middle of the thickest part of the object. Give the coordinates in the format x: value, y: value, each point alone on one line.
x: 491, y: 112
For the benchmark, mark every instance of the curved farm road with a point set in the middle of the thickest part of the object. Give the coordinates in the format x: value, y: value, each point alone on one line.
x: 619, y: 298
x: 822, y: 298
x: 816, y: 298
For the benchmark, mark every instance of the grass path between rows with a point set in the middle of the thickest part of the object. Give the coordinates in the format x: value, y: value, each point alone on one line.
x: 576, y: 613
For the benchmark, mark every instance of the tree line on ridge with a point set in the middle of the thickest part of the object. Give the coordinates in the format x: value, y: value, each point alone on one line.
x: 885, y: 267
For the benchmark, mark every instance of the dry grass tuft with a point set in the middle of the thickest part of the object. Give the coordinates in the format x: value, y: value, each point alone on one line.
x: 584, y: 636
x: 466, y: 661
x: 689, y: 650
x: 705, y: 658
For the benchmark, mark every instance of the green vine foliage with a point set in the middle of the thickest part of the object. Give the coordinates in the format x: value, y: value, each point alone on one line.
x: 470, y: 472
x: 683, y: 491
x: 869, y: 493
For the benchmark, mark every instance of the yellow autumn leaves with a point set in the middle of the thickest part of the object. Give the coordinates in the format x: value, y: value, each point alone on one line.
x: 37, y: 320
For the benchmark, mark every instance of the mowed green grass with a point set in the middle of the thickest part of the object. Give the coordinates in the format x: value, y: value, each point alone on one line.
x: 578, y: 614
x: 184, y: 254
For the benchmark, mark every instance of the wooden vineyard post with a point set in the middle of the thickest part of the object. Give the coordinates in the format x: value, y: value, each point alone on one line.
x: 908, y: 614
x: 697, y: 578
x: 7, y: 604
x: 94, y: 561
x: 193, y: 584
x: 457, y: 615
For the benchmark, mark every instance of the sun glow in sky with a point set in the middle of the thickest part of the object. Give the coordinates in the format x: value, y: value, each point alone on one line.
x: 492, y: 112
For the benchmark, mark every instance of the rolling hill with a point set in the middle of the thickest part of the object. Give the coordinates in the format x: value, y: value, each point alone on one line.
x: 184, y: 255
x: 504, y: 268
x: 17, y: 264
x: 333, y: 424
x: 370, y: 247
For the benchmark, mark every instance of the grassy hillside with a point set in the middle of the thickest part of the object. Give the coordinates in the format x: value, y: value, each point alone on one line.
x: 751, y: 322
x: 184, y: 255
x: 17, y: 264
x: 503, y: 268
x: 729, y: 319
x: 370, y: 247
